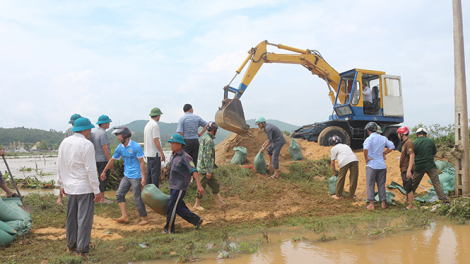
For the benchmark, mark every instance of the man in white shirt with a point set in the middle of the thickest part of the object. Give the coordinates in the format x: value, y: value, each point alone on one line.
x: 347, y: 160
x: 77, y: 179
x: 367, y: 93
x: 153, y: 147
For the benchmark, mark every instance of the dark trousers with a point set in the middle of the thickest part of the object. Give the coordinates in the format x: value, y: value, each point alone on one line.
x: 100, y: 167
x: 80, y: 211
x: 176, y: 206
x: 274, y: 150
x: 353, y: 168
x: 192, y: 148
x: 154, y: 168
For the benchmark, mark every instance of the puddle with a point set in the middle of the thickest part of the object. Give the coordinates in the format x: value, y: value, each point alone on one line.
x: 444, y: 243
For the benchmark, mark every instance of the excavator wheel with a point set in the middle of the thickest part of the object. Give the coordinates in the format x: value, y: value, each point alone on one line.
x: 391, y: 134
x: 327, y: 133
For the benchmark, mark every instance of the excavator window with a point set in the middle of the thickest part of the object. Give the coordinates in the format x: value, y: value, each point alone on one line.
x: 343, y: 96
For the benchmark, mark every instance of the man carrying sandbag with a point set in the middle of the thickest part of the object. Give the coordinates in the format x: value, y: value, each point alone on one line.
x: 347, y: 160
x: 181, y: 169
x: 76, y: 176
x: 274, y: 143
x: 425, y: 149
x: 206, y: 164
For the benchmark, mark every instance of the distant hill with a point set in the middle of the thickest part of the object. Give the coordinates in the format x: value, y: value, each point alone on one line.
x: 29, y: 136
x: 169, y: 129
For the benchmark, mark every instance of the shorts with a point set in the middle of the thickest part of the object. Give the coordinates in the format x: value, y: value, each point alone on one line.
x: 407, y: 183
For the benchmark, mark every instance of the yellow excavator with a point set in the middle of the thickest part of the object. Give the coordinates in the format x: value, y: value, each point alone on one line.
x: 384, y: 104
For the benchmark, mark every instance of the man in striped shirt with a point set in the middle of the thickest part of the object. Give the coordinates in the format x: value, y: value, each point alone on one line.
x: 188, y: 126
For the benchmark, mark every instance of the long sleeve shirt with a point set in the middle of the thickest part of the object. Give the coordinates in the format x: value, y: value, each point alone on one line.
x: 189, y: 125
x: 181, y: 168
x: 77, y: 172
x: 206, y: 155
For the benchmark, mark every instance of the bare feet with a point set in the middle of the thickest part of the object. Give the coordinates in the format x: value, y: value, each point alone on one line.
x: 222, y: 204
x: 370, y: 207
x: 145, y: 220
x: 269, y: 164
x: 336, y: 197
x: 384, y: 206
x: 198, y: 207
x: 122, y: 219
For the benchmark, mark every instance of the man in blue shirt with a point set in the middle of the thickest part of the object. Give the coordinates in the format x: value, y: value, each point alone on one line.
x: 376, y: 170
x: 134, y: 173
x: 188, y: 126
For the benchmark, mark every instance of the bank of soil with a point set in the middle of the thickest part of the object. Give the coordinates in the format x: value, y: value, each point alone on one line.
x: 311, y: 150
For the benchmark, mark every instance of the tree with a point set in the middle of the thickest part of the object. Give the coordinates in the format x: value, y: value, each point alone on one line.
x: 43, y: 145
x: 285, y: 132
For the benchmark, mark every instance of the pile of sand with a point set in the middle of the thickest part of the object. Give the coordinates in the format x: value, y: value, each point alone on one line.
x: 311, y: 150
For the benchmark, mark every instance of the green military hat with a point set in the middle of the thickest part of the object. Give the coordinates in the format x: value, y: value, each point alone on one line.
x: 155, y: 112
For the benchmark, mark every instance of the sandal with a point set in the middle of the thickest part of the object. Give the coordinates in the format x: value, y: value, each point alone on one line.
x: 107, y: 202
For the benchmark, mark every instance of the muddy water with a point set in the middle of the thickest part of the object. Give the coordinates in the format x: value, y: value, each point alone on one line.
x: 444, y: 243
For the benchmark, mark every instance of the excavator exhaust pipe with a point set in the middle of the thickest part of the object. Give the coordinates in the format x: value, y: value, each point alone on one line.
x: 230, y: 116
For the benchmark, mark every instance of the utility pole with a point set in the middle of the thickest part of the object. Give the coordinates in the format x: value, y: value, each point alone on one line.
x: 462, y: 162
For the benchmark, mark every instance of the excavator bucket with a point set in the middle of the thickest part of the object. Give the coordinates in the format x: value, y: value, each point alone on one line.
x: 230, y: 117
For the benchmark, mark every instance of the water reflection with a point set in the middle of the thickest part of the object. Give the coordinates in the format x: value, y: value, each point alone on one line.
x: 445, y: 243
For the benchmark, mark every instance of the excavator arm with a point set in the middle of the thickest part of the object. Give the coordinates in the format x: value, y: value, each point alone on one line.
x: 230, y: 115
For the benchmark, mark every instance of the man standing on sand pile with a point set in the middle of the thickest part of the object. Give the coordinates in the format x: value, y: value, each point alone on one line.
x: 153, y: 147
x: 134, y: 173
x: 102, y: 153
x: 274, y: 143
x: 181, y: 169
x: 187, y: 127
x: 206, y: 164
x: 76, y: 177
x: 347, y: 160
x: 425, y: 149
x: 407, y: 164
x: 376, y: 170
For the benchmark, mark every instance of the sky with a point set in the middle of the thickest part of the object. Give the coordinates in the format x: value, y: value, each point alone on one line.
x: 122, y: 58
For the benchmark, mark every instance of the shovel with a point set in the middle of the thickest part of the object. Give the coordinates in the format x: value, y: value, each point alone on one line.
x: 29, y: 209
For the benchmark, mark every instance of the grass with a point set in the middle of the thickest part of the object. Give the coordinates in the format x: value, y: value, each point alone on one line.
x: 306, y: 183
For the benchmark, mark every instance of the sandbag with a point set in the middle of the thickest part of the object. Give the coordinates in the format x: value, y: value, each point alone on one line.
x: 260, y: 163
x: 295, y: 151
x: 5, y: 238
x: 21, y: 227
x: 7, y: 213
x: 445, y: 177
x: 7, y: 228
x: 332, y: 184
x: 440, y: 164
x: 155, y: 199
x: 240, y: 155
x: 395, y: 185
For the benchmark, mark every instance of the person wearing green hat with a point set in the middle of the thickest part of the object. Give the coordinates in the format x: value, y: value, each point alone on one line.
x: 76, y: 176
x: 181, y: 169
x: 273, y: 145
x: 153, y: 147
x: 102, y: 153
x: 67, y: 134
x: 69, y: 131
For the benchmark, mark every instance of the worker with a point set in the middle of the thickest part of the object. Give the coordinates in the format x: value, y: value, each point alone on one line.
x: 102, y: 153
x: 188, y: 126
x: 76, y: 176
x: 425, y: 149
x: 3, y: 183
x: 367, y: 94
x: 206, y: 164
x: 347, y: 160
x: 376, y: 170
x: 181, y: 169
x: 134, y: 173
x: 407, y: 164
x: 69, y: 131
x: 153, y: 147
x: 274, y: 143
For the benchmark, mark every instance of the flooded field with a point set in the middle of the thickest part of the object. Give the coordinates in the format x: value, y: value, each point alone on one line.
x: 442, y: 243
x: 43, y: 168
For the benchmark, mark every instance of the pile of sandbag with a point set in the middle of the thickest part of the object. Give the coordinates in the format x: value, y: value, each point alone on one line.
x: 13, y: 220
